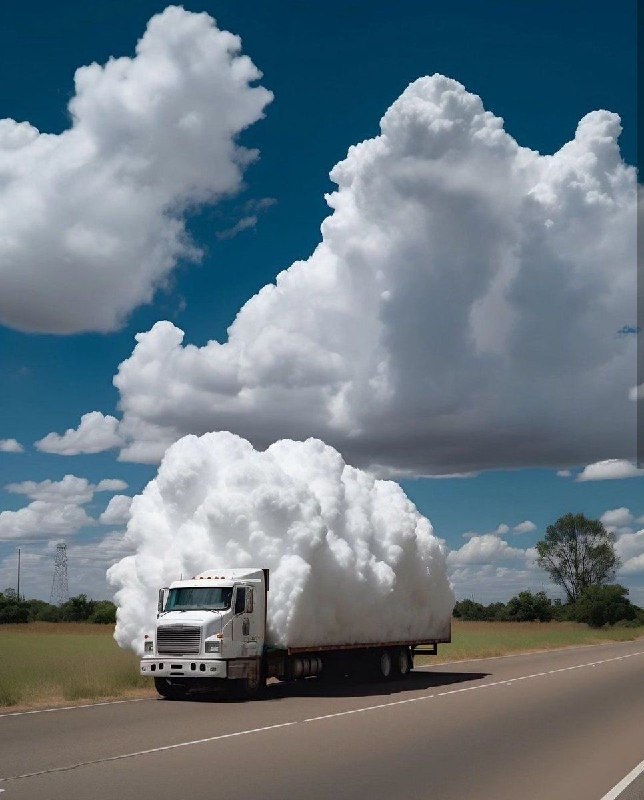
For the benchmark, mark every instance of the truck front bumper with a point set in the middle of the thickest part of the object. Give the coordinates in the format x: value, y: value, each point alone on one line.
x: 169, y: 666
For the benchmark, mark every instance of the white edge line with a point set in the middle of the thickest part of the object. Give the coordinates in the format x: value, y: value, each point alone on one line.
x: 177, y: 745
x: 542, y: 651
x: 619, y: 788
x: 163, y: 749
x: 74, y: 708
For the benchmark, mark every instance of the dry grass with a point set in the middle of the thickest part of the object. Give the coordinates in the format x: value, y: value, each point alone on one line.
x: 488, y: 639
x: 48, y: 664
x: 51, y: 663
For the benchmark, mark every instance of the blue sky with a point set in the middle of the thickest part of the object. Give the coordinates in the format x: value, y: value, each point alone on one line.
x: 334, y: 69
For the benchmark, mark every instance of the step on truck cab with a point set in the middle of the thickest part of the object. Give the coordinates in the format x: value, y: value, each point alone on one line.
x: 211, y: 635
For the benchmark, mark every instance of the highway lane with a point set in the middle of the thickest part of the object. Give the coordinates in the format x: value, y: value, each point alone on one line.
x: 564, y: 724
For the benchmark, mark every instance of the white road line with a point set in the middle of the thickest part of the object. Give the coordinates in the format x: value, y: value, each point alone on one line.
x: 74, y: 708
x: 146, y: 752
x: 507, y: 682
x: 539, y: 652
x: 315, y: 719
x: 619, y: 788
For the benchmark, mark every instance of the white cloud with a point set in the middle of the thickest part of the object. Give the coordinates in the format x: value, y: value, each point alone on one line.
x: 56, y: 508
x: 503, y: 529
x: 243, y: 225
x: 117, y: 511
x: 487, y: 548
x: 92, y: 219
x: 111, y: 485
x: 42, y: 519
x: 610, y: 470
x: 489, y: 583
x: 564, y: 473
x: 462, y: 286
x: 96, y: 432
x: 616, y: 518
x: 525, y: 527
x: 70, y: 489
x: 11, y: 446
x: 488, y: 569
x: 630, y: 548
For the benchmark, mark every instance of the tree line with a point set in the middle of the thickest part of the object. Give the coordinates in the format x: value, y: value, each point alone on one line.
x: 597, y: 606
x: 77, y: 609
x: 577, y: 553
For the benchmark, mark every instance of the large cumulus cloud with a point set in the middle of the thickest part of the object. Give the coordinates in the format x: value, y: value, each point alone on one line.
x: 91, y: 220
x: 461, y: 311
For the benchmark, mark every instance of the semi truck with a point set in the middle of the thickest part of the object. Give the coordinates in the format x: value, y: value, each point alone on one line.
x: 211, y: 634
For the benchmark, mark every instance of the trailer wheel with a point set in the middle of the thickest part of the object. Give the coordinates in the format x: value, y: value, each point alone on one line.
x: 171, y: 691
x: 384, y: 665
x: 403, y: 662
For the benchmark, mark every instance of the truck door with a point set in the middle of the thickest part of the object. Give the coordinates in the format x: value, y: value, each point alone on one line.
x: 247, y: 631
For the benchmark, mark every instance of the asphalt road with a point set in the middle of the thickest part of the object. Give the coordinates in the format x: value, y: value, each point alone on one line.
x: 564, y: 725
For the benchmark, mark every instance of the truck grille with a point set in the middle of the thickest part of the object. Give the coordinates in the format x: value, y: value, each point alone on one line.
x: 178, y: 640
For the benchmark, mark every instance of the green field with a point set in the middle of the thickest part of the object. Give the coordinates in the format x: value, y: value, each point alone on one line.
x: 48, y: 664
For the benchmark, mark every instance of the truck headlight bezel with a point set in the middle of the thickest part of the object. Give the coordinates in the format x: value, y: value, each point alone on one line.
x: 213, y: 646
x: 148, y: 647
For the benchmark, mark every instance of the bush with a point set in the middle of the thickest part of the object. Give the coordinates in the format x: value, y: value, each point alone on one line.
x: 528, y: 607
x: 14, y: 613
x: 104, y: 613
x: 77, y: 609
x: 525, y: 607
x: 471, y: 611
x: 45, y: 613
x: 40, y: 611
x: 602, y: 605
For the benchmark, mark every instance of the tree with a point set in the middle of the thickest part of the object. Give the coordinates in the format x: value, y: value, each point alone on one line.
x: 528, y: 607
x: 577, y: 553
x: 599, y: 605
x: 104, y: 613
x: 11, y: 609
x: 77, y: 609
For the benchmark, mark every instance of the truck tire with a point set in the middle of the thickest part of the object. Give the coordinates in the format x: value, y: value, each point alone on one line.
x: 403, y: 662
x: 169, y: 689
x: 384, y: 665
x: 252, y: 687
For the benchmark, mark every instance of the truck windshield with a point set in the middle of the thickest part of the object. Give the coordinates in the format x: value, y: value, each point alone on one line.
x: 195, y: 597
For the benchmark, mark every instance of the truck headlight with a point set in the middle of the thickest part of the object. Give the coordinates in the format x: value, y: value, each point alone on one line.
x: 212, y: 647
x: 148, y: 647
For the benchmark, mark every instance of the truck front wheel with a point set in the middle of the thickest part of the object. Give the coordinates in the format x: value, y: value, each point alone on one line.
x: 171, y: 691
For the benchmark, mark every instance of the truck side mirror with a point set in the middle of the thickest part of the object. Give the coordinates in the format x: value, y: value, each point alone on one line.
x: 163, y: 596
x: 240, y: 600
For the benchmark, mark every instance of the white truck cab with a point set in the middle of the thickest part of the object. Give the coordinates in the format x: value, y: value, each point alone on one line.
x: 211, y: 626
